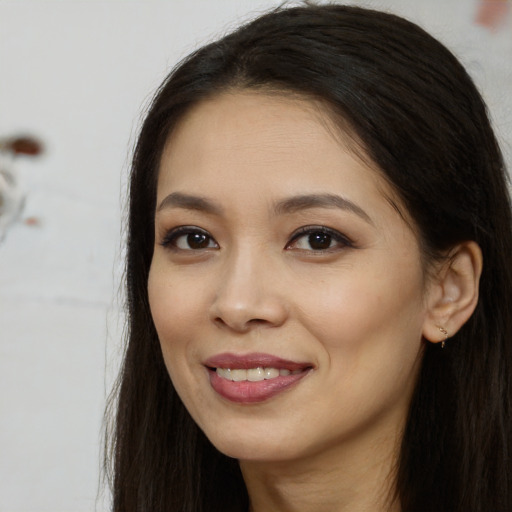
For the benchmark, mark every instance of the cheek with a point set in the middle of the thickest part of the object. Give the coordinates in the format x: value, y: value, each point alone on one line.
x: 369, y: 332
x: 366, y: 309
x: 175, y: 311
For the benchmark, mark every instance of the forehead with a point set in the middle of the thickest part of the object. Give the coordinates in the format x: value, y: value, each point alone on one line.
x: 275, y: 143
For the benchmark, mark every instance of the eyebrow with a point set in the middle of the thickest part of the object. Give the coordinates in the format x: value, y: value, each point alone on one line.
x: 286, y: 206
x: 189, y: 202
x: 309, y: 201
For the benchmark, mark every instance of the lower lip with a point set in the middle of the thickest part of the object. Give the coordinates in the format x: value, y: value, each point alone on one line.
x: 252, y: 392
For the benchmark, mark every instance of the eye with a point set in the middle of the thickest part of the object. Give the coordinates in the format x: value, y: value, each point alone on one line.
x: 318, y: 239
x: 189, y: 238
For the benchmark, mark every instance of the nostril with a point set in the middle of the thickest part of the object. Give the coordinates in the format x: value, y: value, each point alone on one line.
x: 242, y: 313
x: 240, y: 324
x: 257, y: 321
x: 218, y: 321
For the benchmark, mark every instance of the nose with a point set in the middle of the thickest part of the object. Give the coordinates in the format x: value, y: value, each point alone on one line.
x: 249, y: 294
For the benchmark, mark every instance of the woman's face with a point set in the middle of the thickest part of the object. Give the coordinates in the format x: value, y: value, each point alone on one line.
x: 287, y: 291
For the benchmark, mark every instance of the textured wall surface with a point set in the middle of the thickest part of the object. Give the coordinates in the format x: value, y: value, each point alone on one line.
x: 77, y: 74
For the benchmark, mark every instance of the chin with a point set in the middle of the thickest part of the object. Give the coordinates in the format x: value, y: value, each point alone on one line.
x: 256, y: 452
x: 256, y: 446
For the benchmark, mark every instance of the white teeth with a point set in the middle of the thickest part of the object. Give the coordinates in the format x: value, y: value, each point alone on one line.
x: 225, y: 373
x: 254, y: 374
x: 271, y: 373
x: 238, y: 375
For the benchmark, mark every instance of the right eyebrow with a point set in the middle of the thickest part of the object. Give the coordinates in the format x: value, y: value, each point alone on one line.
x: 310, y: 201
x: 189, y: 202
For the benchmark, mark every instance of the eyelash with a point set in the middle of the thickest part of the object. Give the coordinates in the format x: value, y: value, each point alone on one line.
x: 341, y: 240
x: 170, y: 239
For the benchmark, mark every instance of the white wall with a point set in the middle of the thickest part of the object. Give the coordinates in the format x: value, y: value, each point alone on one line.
x: 77, y: 74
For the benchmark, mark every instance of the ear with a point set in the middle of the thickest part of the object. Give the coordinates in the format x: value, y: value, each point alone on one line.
x: 453, y: 292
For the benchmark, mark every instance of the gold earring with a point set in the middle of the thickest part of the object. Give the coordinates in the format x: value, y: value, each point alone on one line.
x: 445, y: 334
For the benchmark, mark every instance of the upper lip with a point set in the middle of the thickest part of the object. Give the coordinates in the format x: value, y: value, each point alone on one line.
x: 253, y: 360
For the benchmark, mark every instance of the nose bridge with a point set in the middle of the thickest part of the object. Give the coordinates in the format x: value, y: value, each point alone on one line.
x: 248, y: 290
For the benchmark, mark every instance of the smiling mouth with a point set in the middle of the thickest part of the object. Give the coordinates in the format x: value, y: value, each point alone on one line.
x: 257, y: 374
x: 253, y: 378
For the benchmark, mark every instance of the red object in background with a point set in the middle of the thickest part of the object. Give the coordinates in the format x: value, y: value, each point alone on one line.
x: 26, y: 146
x: 32, y: 221
x: 492, y: 13
x: 22, y: 146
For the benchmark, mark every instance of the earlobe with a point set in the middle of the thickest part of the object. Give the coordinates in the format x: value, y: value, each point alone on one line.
x: 454, y: 292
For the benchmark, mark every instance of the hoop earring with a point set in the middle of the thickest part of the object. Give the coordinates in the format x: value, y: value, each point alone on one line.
x: 444, y: 332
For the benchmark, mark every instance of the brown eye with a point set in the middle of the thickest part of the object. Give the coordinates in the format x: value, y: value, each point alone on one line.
x: 189, y: 238
x: 319, y: 241
x: 197, y: 241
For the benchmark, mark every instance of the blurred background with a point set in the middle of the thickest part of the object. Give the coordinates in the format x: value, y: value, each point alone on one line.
x: 76, y: 76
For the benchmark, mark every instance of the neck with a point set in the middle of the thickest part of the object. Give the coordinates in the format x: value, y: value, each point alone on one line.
x: 353, y: 478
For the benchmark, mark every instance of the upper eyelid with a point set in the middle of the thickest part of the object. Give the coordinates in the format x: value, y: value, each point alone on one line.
x: 186, y: 228
x: 306, y: 230
x: 174, y: 233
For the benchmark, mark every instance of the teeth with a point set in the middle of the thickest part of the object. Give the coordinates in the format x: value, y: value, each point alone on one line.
x: 238, y: 375
x: 225, y: 373
x: 271, y: 373
x: 254, y: 374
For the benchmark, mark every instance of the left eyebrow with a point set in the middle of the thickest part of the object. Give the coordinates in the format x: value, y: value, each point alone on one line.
x: 309, y: 201
x: 189, y: 202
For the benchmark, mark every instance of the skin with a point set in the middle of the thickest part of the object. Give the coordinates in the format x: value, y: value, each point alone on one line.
x: 356, y: 311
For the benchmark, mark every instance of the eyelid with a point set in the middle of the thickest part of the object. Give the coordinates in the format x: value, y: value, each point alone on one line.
x: 339, y: 237
x: 173, y: 234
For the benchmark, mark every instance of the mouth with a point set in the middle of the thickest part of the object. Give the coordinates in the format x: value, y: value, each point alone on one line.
x: 254, y: 374
x: 253, y: 378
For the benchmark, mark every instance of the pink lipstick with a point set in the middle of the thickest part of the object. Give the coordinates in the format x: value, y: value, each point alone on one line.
x: 253, y: 378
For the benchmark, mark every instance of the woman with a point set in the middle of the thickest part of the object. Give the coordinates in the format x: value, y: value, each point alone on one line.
x: 318, y: 278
